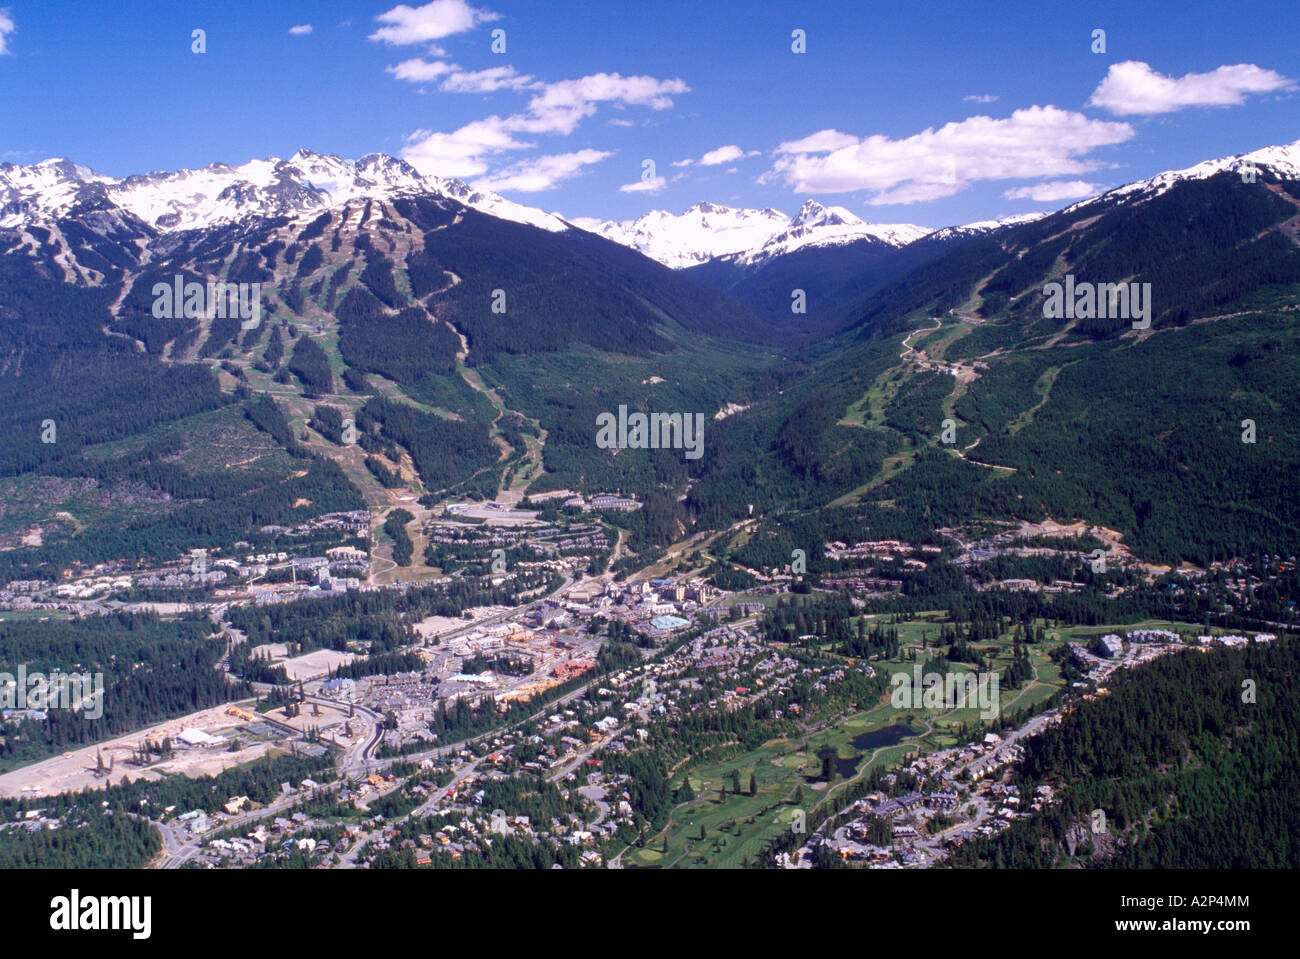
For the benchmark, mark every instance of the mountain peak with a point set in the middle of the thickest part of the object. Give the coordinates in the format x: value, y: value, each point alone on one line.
x: 810, y: 209
x: 65, y: 168
x: 219, y: 193
x: 707, y: 230
x: 1282, y: 160
x: 813, y: 213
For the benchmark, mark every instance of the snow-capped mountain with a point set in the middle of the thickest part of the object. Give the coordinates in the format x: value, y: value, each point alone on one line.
x: 984, y: 226
x: 305, y: 184
x: 750, y: 238
x: 707, y: 231
x: 817, y: 225
x: 309, y: 183
x: 703, y: 232
x: 1282, y: 161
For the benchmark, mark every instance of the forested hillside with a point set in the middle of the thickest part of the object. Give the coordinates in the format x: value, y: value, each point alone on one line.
x: 116, y: 453
x: 1201, y: 245
x: 564, y: 288
x: 1190, y: 746
x: 838, y: 282
x: 150, y: 669
x: 954, y: 399
x: 474, y: 352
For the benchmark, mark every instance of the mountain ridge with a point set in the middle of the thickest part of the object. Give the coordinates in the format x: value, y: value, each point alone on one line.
x: 306, y: 183
x: 395, y: 298
x: 309, y: 183
x: 708, y: 231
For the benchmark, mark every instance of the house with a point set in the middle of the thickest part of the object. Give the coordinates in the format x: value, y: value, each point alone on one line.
x: 197, y: 737
x: 1111, y: 646
x: 911, y: 801
x: 604, y: 501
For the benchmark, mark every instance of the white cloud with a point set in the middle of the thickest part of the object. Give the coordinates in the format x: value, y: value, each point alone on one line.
x: 420, y: 71
x: 560, y: 106
x: 433, y: 21
x: 981, y: 97
x: 6, y: 27
x: 461, y: 153
x: 935, y: 163
x: 556, y: 109
x: 721, y: 155
x: 486, y: 81
x: 454, y: 79
x: 725, y: 155
x: 1132, y: 87
x: 620, y: 122
x: 1052, y: 191
x: 717, y: 157
x: 820, y: 142
x: 301, y: 30
x: 540, y: 173
x: 917, y: 192
x: 653, y: 185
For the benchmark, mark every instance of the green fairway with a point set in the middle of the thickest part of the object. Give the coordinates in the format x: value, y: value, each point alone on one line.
x: 735, y: 827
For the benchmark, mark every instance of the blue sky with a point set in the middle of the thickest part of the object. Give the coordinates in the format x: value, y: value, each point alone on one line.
x: 881, y: 114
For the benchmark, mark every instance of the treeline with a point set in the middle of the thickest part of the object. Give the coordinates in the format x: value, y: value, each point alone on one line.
x: 90, y: 838
x: 1189, y: 759
x: 328, y: 422
x: 380, y: 664
x: 111, y: 828
x: 236, y: 504
x: 380, y: 621
x: 404, y: 346
x: 602, y: 301
x: 312, y: 366
x: 269, y: 417
x: 388, y: 479
x: 1202, y: 245
x: 444, y: 451
x: 395, y: 527
x: 150, y: 670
